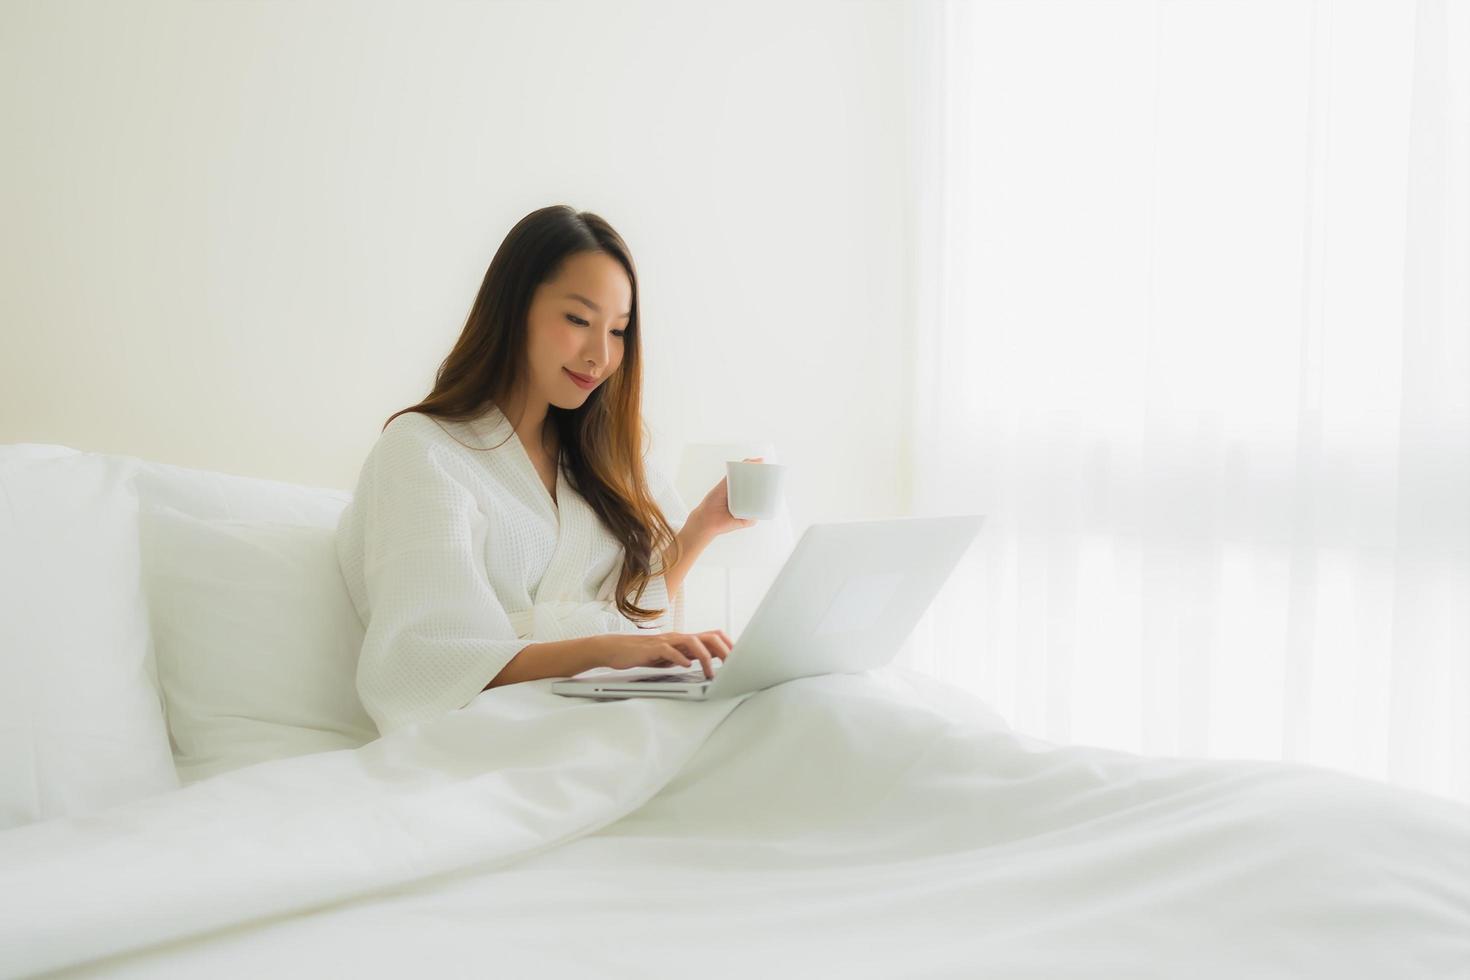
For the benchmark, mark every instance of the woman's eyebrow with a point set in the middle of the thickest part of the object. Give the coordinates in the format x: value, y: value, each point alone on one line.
x: 595, y: 307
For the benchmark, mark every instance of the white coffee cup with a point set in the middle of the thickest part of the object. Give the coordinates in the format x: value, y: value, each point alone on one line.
x: 754, y: 488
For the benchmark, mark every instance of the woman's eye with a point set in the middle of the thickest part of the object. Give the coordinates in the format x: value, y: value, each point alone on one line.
x: 582, y: 323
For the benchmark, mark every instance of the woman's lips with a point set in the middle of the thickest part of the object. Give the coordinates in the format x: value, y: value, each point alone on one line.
x: 580, y: 381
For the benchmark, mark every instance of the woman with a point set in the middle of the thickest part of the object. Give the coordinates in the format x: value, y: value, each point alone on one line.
x: 507, y: 527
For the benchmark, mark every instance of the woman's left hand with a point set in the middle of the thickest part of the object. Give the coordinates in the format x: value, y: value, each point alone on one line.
x: 712, y: 514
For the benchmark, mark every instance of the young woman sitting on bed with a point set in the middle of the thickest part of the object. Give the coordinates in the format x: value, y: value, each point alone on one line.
x: 509, y: 527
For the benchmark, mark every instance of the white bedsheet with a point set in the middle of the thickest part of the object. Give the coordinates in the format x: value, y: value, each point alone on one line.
x: 876, y: 825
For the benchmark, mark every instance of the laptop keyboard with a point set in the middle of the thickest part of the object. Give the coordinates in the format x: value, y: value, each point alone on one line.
x: 689, y: 677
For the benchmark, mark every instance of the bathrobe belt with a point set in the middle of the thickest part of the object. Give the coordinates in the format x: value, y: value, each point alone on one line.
x: 558, y: 619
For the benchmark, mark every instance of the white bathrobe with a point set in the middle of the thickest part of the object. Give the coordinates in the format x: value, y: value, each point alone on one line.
x: 458, y: 558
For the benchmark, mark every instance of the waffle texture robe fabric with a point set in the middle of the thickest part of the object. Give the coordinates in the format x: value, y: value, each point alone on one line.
x: 457, y: 558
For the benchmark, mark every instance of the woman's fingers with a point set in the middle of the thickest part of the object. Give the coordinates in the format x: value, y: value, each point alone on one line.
x: 702, y: 652
x: 684, y: 648
x: 717, y: 641
x: 723, y: 641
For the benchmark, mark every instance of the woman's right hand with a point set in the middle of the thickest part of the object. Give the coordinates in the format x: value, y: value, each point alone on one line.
x: 619, y: 650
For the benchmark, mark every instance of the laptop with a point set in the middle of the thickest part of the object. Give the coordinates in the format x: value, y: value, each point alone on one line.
x: 847, y: 597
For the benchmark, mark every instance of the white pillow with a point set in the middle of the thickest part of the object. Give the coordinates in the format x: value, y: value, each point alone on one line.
x: 256, y: 640
x: 81, y: 725
x: 211, y: 495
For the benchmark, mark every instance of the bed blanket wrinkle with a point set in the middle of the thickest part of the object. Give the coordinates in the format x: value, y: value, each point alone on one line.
x: 879, y: 824
x: 517, y: 769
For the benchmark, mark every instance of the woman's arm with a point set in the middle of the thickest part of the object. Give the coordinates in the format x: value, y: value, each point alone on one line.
x: 693, y: 539
x: 567, y: 658
x: 560, y: 658
x: 709, y: 519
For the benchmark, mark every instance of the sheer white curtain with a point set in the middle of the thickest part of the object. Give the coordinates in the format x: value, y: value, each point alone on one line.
x: 1194, y: 331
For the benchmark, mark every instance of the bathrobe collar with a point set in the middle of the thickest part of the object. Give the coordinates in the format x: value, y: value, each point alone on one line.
x: 577, y: 527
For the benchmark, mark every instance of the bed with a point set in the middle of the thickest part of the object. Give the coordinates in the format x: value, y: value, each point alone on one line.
x: 874, y: 825
x: 188, y: 794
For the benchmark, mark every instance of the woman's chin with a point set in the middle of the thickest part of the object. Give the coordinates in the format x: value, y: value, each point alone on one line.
x: 575, y: 400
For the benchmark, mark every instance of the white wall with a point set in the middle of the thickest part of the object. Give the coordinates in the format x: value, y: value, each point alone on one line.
x: 239, y: 235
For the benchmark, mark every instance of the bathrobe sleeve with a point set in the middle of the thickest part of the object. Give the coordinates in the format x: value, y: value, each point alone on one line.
x: 437, y: 633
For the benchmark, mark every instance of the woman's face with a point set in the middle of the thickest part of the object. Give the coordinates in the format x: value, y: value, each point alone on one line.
x: 576, y: 324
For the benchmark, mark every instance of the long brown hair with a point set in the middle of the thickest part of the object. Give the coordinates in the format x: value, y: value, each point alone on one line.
x: 601, y: 440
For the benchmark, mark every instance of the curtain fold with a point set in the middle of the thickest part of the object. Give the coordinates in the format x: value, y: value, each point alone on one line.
x: 1193, y: 329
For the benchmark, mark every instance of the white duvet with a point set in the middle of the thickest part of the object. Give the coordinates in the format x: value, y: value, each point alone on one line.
x: 870, y: 825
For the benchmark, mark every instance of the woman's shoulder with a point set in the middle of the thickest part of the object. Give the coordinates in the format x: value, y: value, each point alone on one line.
x: 417, y: 442
x: 417, y: 430
x: 411, y: 426
x: 418, y: 427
